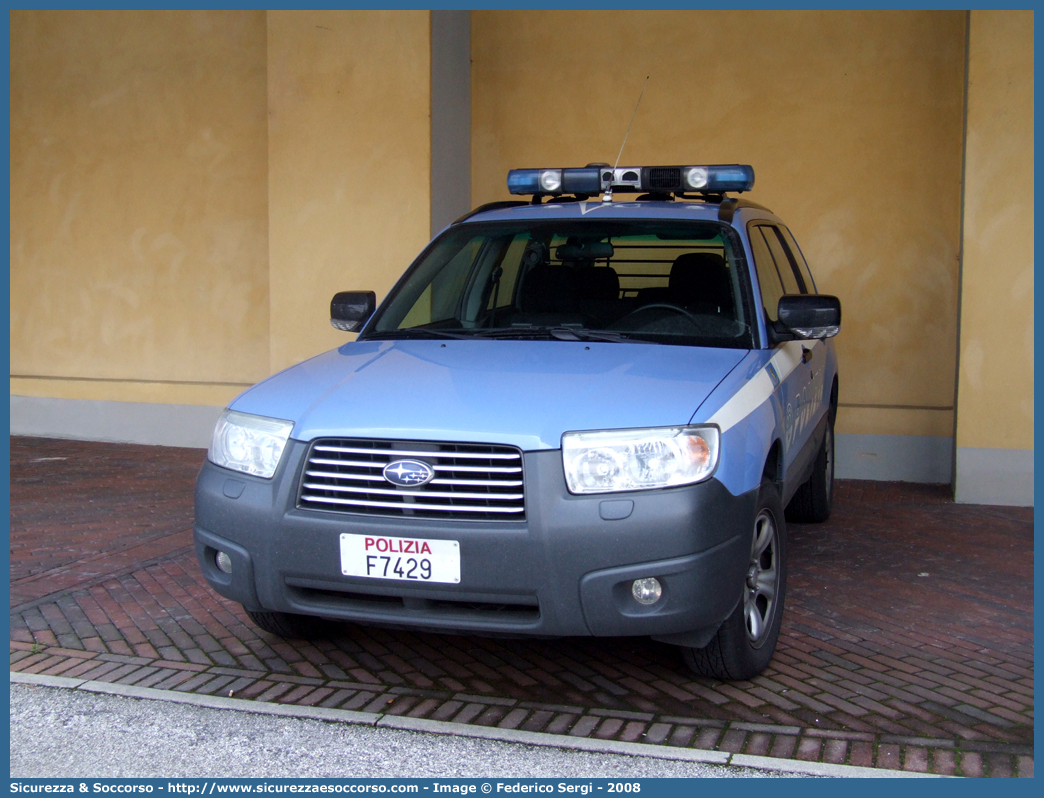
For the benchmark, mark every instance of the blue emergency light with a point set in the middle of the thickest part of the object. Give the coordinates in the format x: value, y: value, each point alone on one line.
x: 712, y: 179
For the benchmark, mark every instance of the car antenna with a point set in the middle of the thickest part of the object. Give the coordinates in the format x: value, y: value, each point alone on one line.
x: 608, y: 196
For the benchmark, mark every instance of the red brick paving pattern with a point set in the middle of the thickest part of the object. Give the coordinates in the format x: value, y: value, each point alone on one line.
x: 907, y: 642
x: 82, y: 492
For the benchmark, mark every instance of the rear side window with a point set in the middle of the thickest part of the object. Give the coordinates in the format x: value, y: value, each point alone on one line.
x: 799, y: 259
x: 784, y: 265
x: 768, y: 275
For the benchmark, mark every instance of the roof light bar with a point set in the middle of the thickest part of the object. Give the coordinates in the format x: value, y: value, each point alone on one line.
x: 554, y: 181
x: 632, y: 179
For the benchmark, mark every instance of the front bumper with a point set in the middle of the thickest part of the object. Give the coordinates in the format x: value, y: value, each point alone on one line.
x: 566, y: 570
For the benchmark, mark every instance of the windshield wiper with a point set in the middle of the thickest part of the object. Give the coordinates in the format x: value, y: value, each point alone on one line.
x: 415, y: 332
x: 522, y: 331
x: 572, y: 334
x: 558, y: 333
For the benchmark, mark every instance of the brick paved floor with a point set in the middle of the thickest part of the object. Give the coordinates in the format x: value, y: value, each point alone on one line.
x: 907, y: 640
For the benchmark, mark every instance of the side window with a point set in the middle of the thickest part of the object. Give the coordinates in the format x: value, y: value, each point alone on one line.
x: 787, y: 273
x: 768, y: 277
x: 795, y: 253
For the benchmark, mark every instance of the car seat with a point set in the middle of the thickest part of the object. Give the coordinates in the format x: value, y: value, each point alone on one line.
x: 599, y: 291
x: 700, y: 283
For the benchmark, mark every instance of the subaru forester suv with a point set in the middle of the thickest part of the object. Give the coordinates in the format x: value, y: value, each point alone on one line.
x: 577, y: 414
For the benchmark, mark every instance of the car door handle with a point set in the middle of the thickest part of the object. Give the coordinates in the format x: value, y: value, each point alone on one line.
x: 806, y: 354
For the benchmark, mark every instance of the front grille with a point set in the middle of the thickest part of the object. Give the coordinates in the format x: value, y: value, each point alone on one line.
x: 665, y: 177
x: 473, y: 481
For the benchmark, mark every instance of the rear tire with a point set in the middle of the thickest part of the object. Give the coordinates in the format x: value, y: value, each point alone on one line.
x: 285, y: 624
x: 746, y: 641
x: 814, y: 500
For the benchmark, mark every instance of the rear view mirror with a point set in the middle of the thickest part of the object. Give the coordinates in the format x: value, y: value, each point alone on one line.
x: 350, y: 310
x: 810, y: 315
x: 587, y: 250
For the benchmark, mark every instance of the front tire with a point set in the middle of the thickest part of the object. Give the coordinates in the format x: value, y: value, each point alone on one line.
x: 746, y: 641
x: 285, y: 624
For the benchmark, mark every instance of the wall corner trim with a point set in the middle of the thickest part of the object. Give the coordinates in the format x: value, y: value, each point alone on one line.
x: 450, y: 117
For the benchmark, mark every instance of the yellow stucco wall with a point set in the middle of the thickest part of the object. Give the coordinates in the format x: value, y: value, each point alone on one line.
x: 349, y: 157
x: 852, y: 120
x: 179, y: 179
x: 139, y: 257
x: 189, y: 188
x: 995, y: 391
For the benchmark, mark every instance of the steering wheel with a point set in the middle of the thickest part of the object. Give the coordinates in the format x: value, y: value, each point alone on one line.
x: 661, y: 306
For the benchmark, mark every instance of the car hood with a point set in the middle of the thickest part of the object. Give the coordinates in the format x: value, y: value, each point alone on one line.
x: 520, y: 393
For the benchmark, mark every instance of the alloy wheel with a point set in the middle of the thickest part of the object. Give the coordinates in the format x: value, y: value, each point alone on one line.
x: 759, y: 593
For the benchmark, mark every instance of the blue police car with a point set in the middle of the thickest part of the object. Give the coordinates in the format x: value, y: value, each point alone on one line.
x: 580, y: 413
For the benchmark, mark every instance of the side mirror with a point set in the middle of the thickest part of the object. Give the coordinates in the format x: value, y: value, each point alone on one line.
x: 809, y: 315
x: 350, y: 310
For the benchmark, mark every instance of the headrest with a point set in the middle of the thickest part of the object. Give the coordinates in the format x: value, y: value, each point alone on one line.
x: 598, y: 282
x: 548, y: 289
x: 701, y: 276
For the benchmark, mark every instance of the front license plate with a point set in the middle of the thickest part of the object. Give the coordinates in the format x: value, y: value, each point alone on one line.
x: 409, y: 559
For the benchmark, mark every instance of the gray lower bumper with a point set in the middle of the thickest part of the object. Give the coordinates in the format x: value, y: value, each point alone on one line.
x: 564, y: 571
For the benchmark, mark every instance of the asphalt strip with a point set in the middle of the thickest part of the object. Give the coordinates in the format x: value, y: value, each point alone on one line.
x: 98, y: 729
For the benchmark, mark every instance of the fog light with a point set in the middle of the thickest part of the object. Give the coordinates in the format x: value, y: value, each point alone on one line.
x: 646, y: 591
x: 224, y: 563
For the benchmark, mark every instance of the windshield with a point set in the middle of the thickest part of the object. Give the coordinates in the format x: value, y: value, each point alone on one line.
x: 649, y: 281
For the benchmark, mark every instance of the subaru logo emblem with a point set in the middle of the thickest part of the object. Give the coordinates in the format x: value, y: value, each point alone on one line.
x: 408, y: 473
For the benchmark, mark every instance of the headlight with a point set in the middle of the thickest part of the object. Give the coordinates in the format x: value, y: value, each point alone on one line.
x: 247, y: 443
x: 638, y: 459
